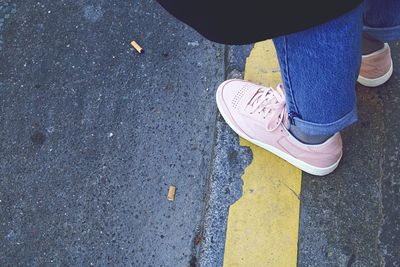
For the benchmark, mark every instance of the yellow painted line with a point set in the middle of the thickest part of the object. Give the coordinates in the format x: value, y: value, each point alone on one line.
x: 263, y: 224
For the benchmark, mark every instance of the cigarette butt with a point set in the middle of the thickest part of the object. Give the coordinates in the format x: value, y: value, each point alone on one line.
x: 137, y: 47
x: 171, y: 193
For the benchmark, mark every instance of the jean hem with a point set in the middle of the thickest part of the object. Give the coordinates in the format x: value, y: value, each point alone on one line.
x: 385, y: 34
x: 312, y: 128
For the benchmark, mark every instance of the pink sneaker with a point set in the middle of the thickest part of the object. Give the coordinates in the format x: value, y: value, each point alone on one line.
x: 376, y: 68
x: 258, y: 114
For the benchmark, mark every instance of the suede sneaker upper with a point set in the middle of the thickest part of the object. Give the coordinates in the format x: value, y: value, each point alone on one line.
x: 258, y: 114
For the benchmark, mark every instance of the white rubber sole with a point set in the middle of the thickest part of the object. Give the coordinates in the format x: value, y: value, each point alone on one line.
x: 289, y: 158
x: 377, y: 81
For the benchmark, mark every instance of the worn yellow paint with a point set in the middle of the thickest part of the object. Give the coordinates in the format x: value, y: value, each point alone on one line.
x: 263, y: 224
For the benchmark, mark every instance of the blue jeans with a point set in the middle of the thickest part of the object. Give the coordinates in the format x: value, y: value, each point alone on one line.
x: 320, y: 66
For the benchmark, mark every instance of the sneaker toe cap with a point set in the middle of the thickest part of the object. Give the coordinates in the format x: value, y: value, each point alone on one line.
x: 231, y: 92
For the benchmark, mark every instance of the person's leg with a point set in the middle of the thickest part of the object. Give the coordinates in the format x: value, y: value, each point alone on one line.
x: 319, y: 68
x: 381, y: 24
x: 370, y: 44
x: 382, y: 19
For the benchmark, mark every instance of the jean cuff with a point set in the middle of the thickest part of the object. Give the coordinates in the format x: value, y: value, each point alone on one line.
x: 385, y: 34
x: 312, y: 128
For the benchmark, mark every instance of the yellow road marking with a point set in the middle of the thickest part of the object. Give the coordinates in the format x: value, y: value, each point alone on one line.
x: 263, y: 224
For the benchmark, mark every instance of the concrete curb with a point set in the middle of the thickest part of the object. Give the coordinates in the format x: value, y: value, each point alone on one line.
x: 224, y: 189
x: 225, y: 184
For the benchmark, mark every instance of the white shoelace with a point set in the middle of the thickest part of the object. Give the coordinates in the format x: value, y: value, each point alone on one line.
x: 269, y: 103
